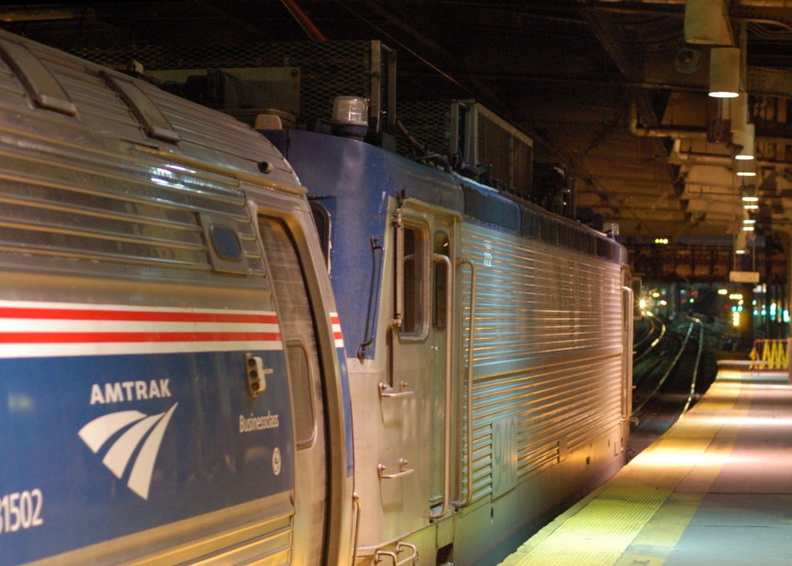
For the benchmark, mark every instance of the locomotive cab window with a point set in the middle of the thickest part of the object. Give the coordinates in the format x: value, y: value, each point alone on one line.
x: 321, y: 218
x: 412, y: 281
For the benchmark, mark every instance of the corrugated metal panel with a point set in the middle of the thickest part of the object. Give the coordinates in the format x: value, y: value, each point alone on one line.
x: 548, y: 348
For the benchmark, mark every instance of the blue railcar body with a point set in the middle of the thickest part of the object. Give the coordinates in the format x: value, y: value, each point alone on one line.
x: 201, y: 465
x: 172, y: 380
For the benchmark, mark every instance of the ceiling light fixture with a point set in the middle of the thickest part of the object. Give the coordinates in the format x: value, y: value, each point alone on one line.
x: 724, y: 72
x: 703, y: 20
x: 740, y: 243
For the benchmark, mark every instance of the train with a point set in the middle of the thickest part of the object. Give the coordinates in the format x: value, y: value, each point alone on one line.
x: 226, y: 345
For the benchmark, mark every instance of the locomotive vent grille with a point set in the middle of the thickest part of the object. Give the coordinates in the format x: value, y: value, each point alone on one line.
x: 550, y: 355
x: 81, y: 186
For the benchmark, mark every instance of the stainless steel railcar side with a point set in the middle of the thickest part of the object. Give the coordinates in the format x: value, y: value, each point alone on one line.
x: 170, y: 384
x: 488, y: 346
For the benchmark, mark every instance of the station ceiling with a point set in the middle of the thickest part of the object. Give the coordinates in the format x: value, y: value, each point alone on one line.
x: 610, y: 90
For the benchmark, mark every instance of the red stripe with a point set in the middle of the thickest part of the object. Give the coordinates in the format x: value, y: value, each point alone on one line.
x: 338, y: 335
x: 335, y: 319
x: 147, y: 316
x: 77, y: 337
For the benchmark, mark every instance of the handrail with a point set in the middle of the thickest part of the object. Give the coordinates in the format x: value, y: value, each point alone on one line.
x: 358, y: 509
x: 469, y: 382
x: 629, y: 297
x: 398, y: 315
x: 388, y: 392
x: 400, y: 546
x: 376, y: 277
x: 403, y: 470
x: 448, y: 380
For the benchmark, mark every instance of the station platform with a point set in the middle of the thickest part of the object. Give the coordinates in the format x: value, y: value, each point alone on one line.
x: 716, y: 488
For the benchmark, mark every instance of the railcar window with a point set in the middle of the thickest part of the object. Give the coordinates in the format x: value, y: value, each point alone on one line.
x: 413, y: 287
x: 226, y: 243
x: 441, y: 246
x: 296, y: 322
x: 299, y: 367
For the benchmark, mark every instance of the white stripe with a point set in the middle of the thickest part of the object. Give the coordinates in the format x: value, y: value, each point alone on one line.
x: 115, y: 348
x: 126, y: 308
x: 48, y: 325
x: 339, y: 342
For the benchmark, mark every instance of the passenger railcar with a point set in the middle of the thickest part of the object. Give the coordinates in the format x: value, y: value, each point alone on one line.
x: 171, y: 389
x: 489, y: 351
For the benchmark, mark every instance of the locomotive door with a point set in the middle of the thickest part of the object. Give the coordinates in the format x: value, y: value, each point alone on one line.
x: 302, y: 358
x: 421, y: 349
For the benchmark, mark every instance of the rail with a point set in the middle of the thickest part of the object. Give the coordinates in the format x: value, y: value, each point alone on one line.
x: 672, y: 366
x: 692, y: 392
x: 656, y: 332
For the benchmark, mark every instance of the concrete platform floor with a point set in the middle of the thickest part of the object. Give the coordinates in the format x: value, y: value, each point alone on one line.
x: 714, y: 489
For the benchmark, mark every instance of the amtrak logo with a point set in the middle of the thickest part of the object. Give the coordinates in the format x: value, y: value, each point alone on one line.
x: 144, y: 432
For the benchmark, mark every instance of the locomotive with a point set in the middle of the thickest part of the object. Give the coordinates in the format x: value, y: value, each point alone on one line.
x: 223, y: 345
x: 488, y: 345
